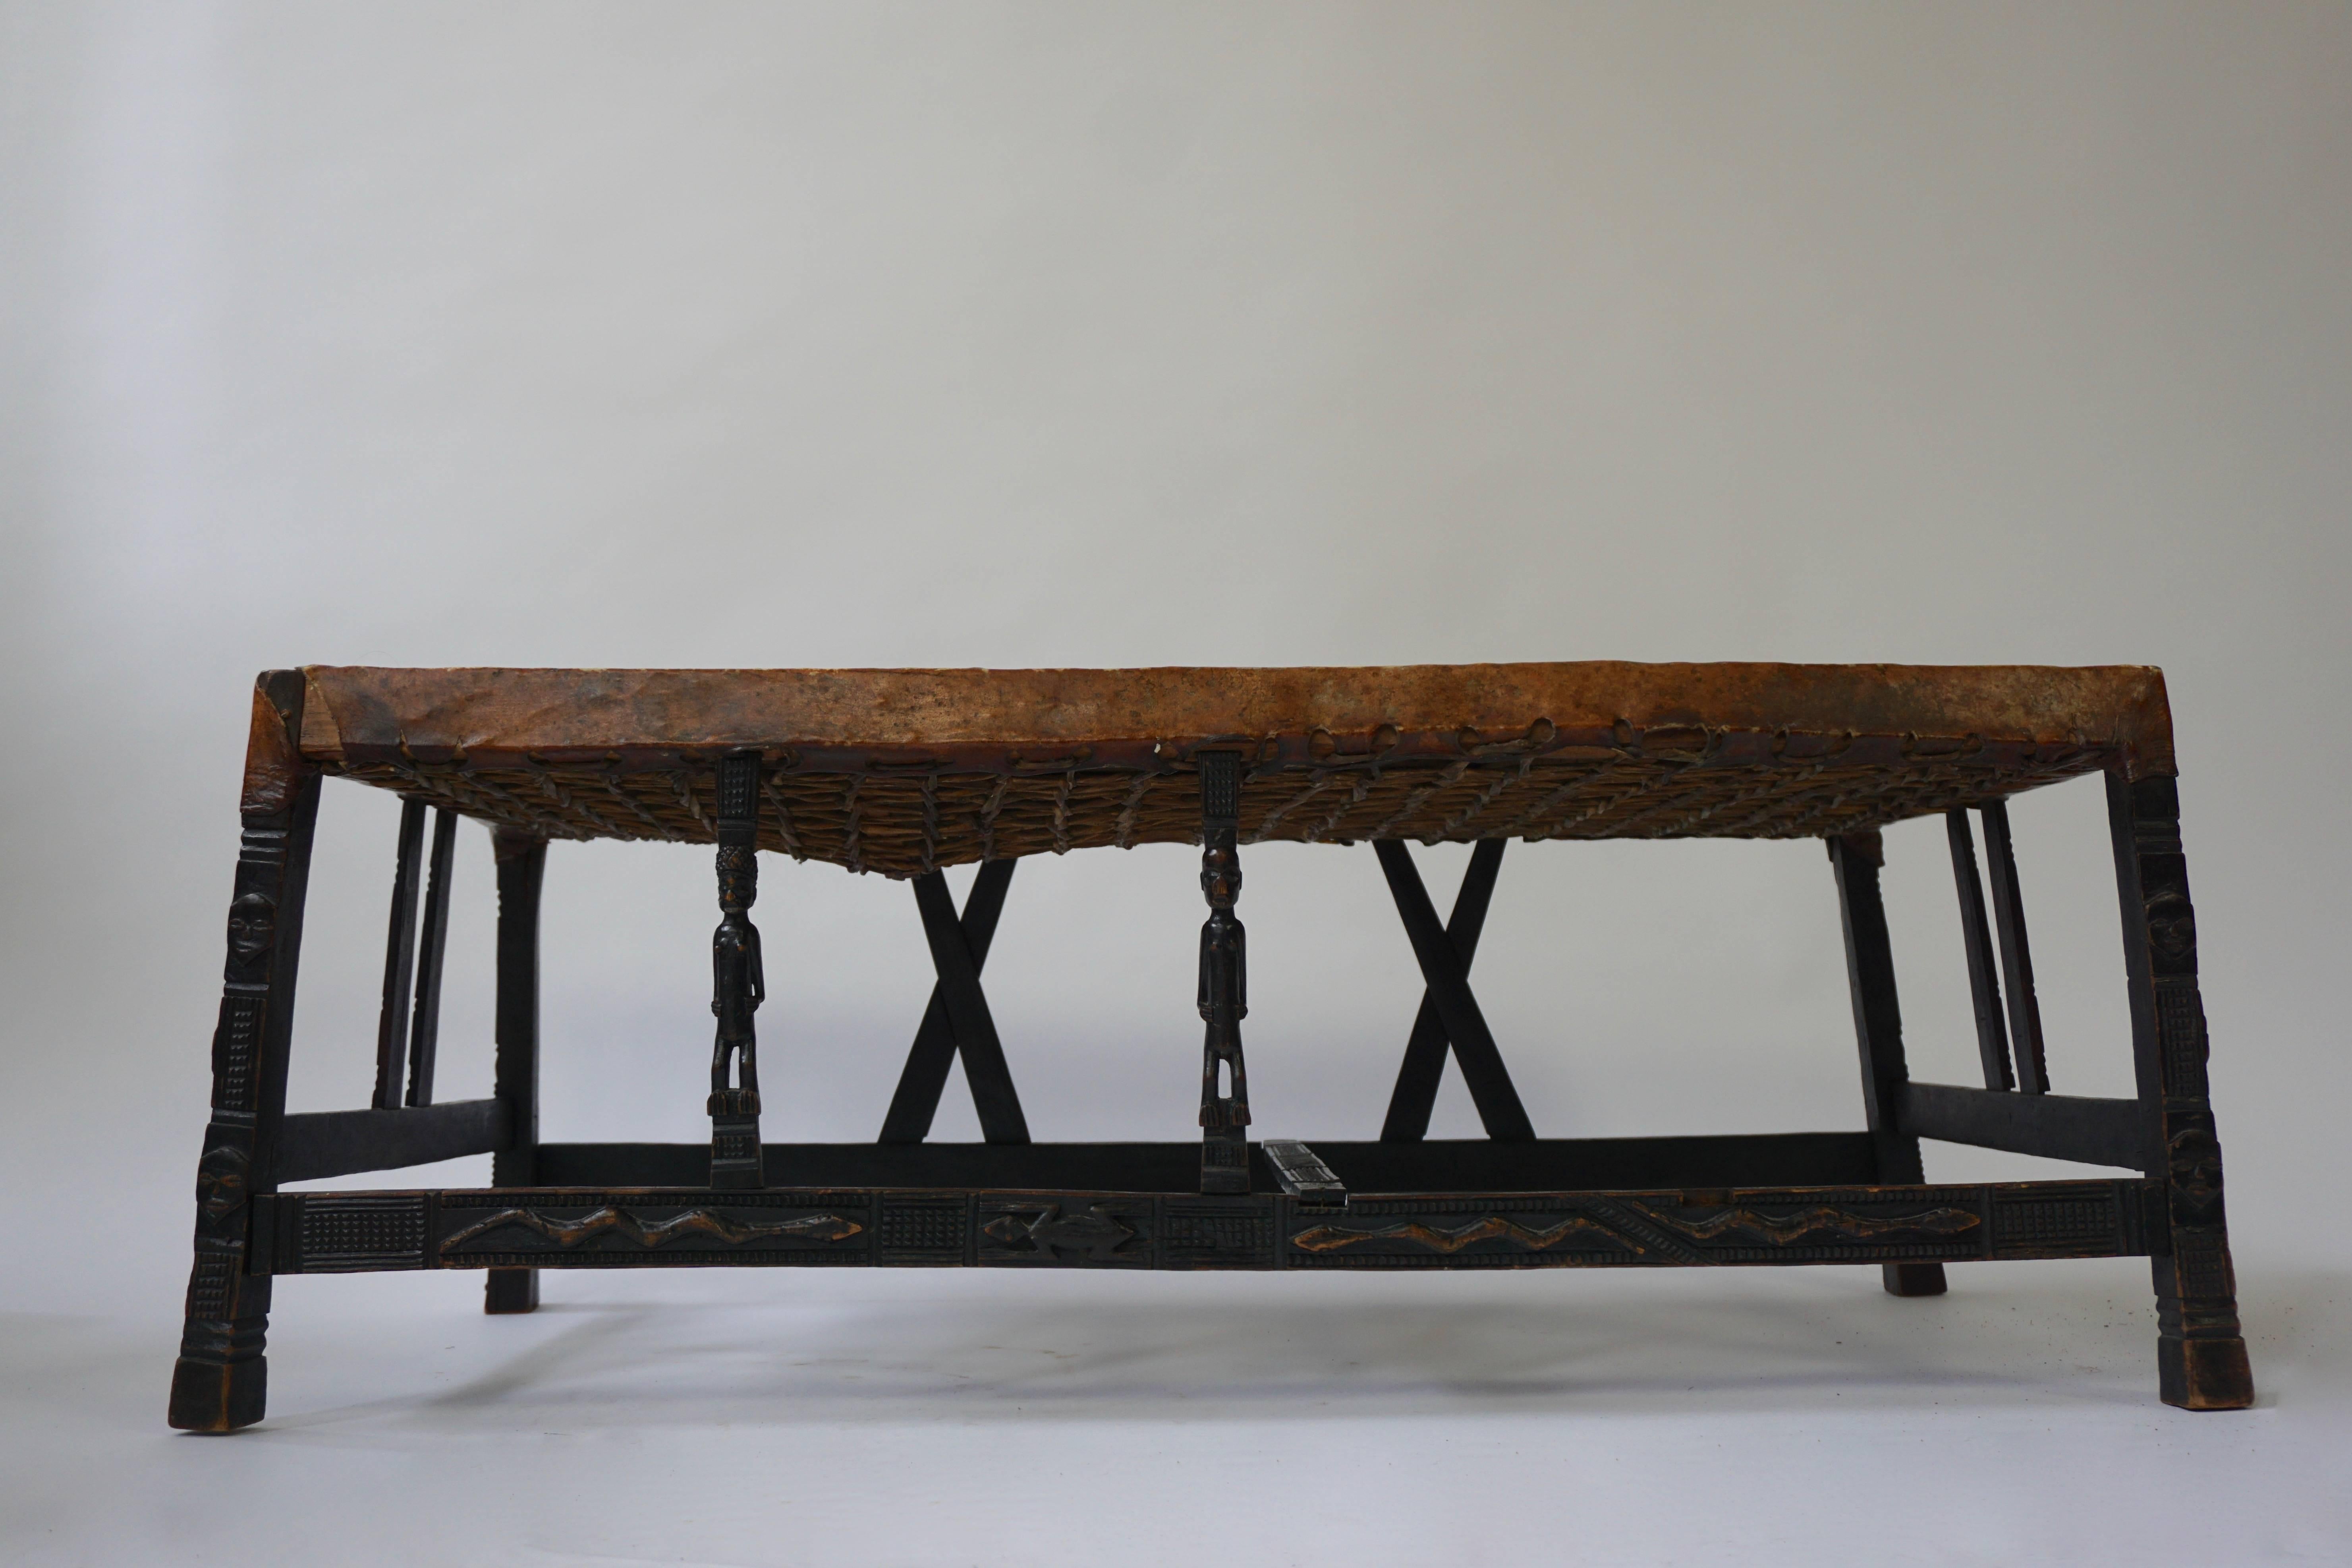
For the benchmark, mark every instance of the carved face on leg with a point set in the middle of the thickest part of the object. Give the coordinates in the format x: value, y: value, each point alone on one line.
x: 1221, y: 876
x: 2194, y: 1166
x: 252, y: 922
x: 2172, y: 926
x: 221, y: 1180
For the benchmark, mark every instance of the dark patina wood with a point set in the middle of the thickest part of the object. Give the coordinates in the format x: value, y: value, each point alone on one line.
x: 392, y: 1026
x: 220, y: 1381
x: 1742, y: 1159
x: 1975, y: 938
x: 322, y: 1143
x: 924, y: 1076
x: 1415, y: 1095
x: 432, y: 945
x: 906, y: 772
x: 1444, y: 968
x: 1857, y: 858
x: 738, y: 981
x: 2056, y: 1126
x: 521, y: 863
x: 969, y: 1019
x: 1326, y: 1227
x: 2016, y: 954
x: 1224, y: 981
x: 2200, y: 1350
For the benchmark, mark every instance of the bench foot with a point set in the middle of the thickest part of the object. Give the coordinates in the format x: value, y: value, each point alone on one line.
x: 218, y: 1397
x: 2204, y: 1374
x: 1913, y: 1278
x: 510, y: 1290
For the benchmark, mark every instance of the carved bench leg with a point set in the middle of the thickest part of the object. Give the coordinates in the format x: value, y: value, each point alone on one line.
x: 2200, y: 1350
x: 1878, y: 1030
x: 522, y: 866
x: 220, y: 1382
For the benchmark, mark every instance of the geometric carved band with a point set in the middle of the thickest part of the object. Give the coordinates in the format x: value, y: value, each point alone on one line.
x: 572, y: 1227
x: 2181, y: 1026
x: 347, y: 1234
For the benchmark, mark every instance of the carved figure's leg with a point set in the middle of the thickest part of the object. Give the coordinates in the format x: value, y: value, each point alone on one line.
x: 220, y: 1382
x: 1878, y: 1030
x: 1225, y: 981
x: 522, y: 866
x: 2200, y: 1351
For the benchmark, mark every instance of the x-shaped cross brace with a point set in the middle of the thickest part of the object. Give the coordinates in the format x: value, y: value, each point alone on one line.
x: 957, y: 1018
x: 1449, y: 1013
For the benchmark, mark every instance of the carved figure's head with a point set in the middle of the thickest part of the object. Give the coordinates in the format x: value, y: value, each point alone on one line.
x: 252, y: 922
x: 220, y: 1180
x: 2193, y: 1163
x: 2171, y: 925
x: 1221, y: 876
x: 738, y: 878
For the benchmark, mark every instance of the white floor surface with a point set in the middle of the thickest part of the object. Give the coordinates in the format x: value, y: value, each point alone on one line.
x: 854, y: 1418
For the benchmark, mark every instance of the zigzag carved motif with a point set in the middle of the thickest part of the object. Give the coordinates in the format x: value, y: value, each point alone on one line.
x: 693, y: 1221
x: 1783, y: 1230
x: 1331, y: 1237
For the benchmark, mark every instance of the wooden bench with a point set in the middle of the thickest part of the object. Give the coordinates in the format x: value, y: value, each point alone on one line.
x: 905, y: 773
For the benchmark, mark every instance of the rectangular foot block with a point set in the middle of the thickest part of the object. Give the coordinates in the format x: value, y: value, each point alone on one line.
x: 1913, y: 1278
x: 218, y: 1397
x: 510, y: 1290
x: 2204, y: 1374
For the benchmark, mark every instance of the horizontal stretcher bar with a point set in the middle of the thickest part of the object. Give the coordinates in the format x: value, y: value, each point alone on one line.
x: 321, y: 1144
x: 316, y: 1233
x: 2055, y: 1126
x: 1777, y: 1159
x: 316, y: 1144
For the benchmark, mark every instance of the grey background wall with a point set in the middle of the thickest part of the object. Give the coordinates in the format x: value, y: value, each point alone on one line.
x: 1120, y: 334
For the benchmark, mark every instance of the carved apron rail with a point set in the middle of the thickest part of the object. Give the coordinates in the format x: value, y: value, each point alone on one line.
x: 320, y: 1233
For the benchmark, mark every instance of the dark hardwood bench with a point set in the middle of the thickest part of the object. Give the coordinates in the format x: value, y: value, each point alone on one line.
x: 904, y: 772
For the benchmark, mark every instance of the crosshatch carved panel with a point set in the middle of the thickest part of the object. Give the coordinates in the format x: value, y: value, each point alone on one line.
x: 1218, y: 1232
x: 2084, y: 1221
x: 2203, y: 1259
x: 213, y: 1284
x: 2180, y: 1022
x: 346, y: 1234
x: 240, y: 1038
x: 923, y: 1229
